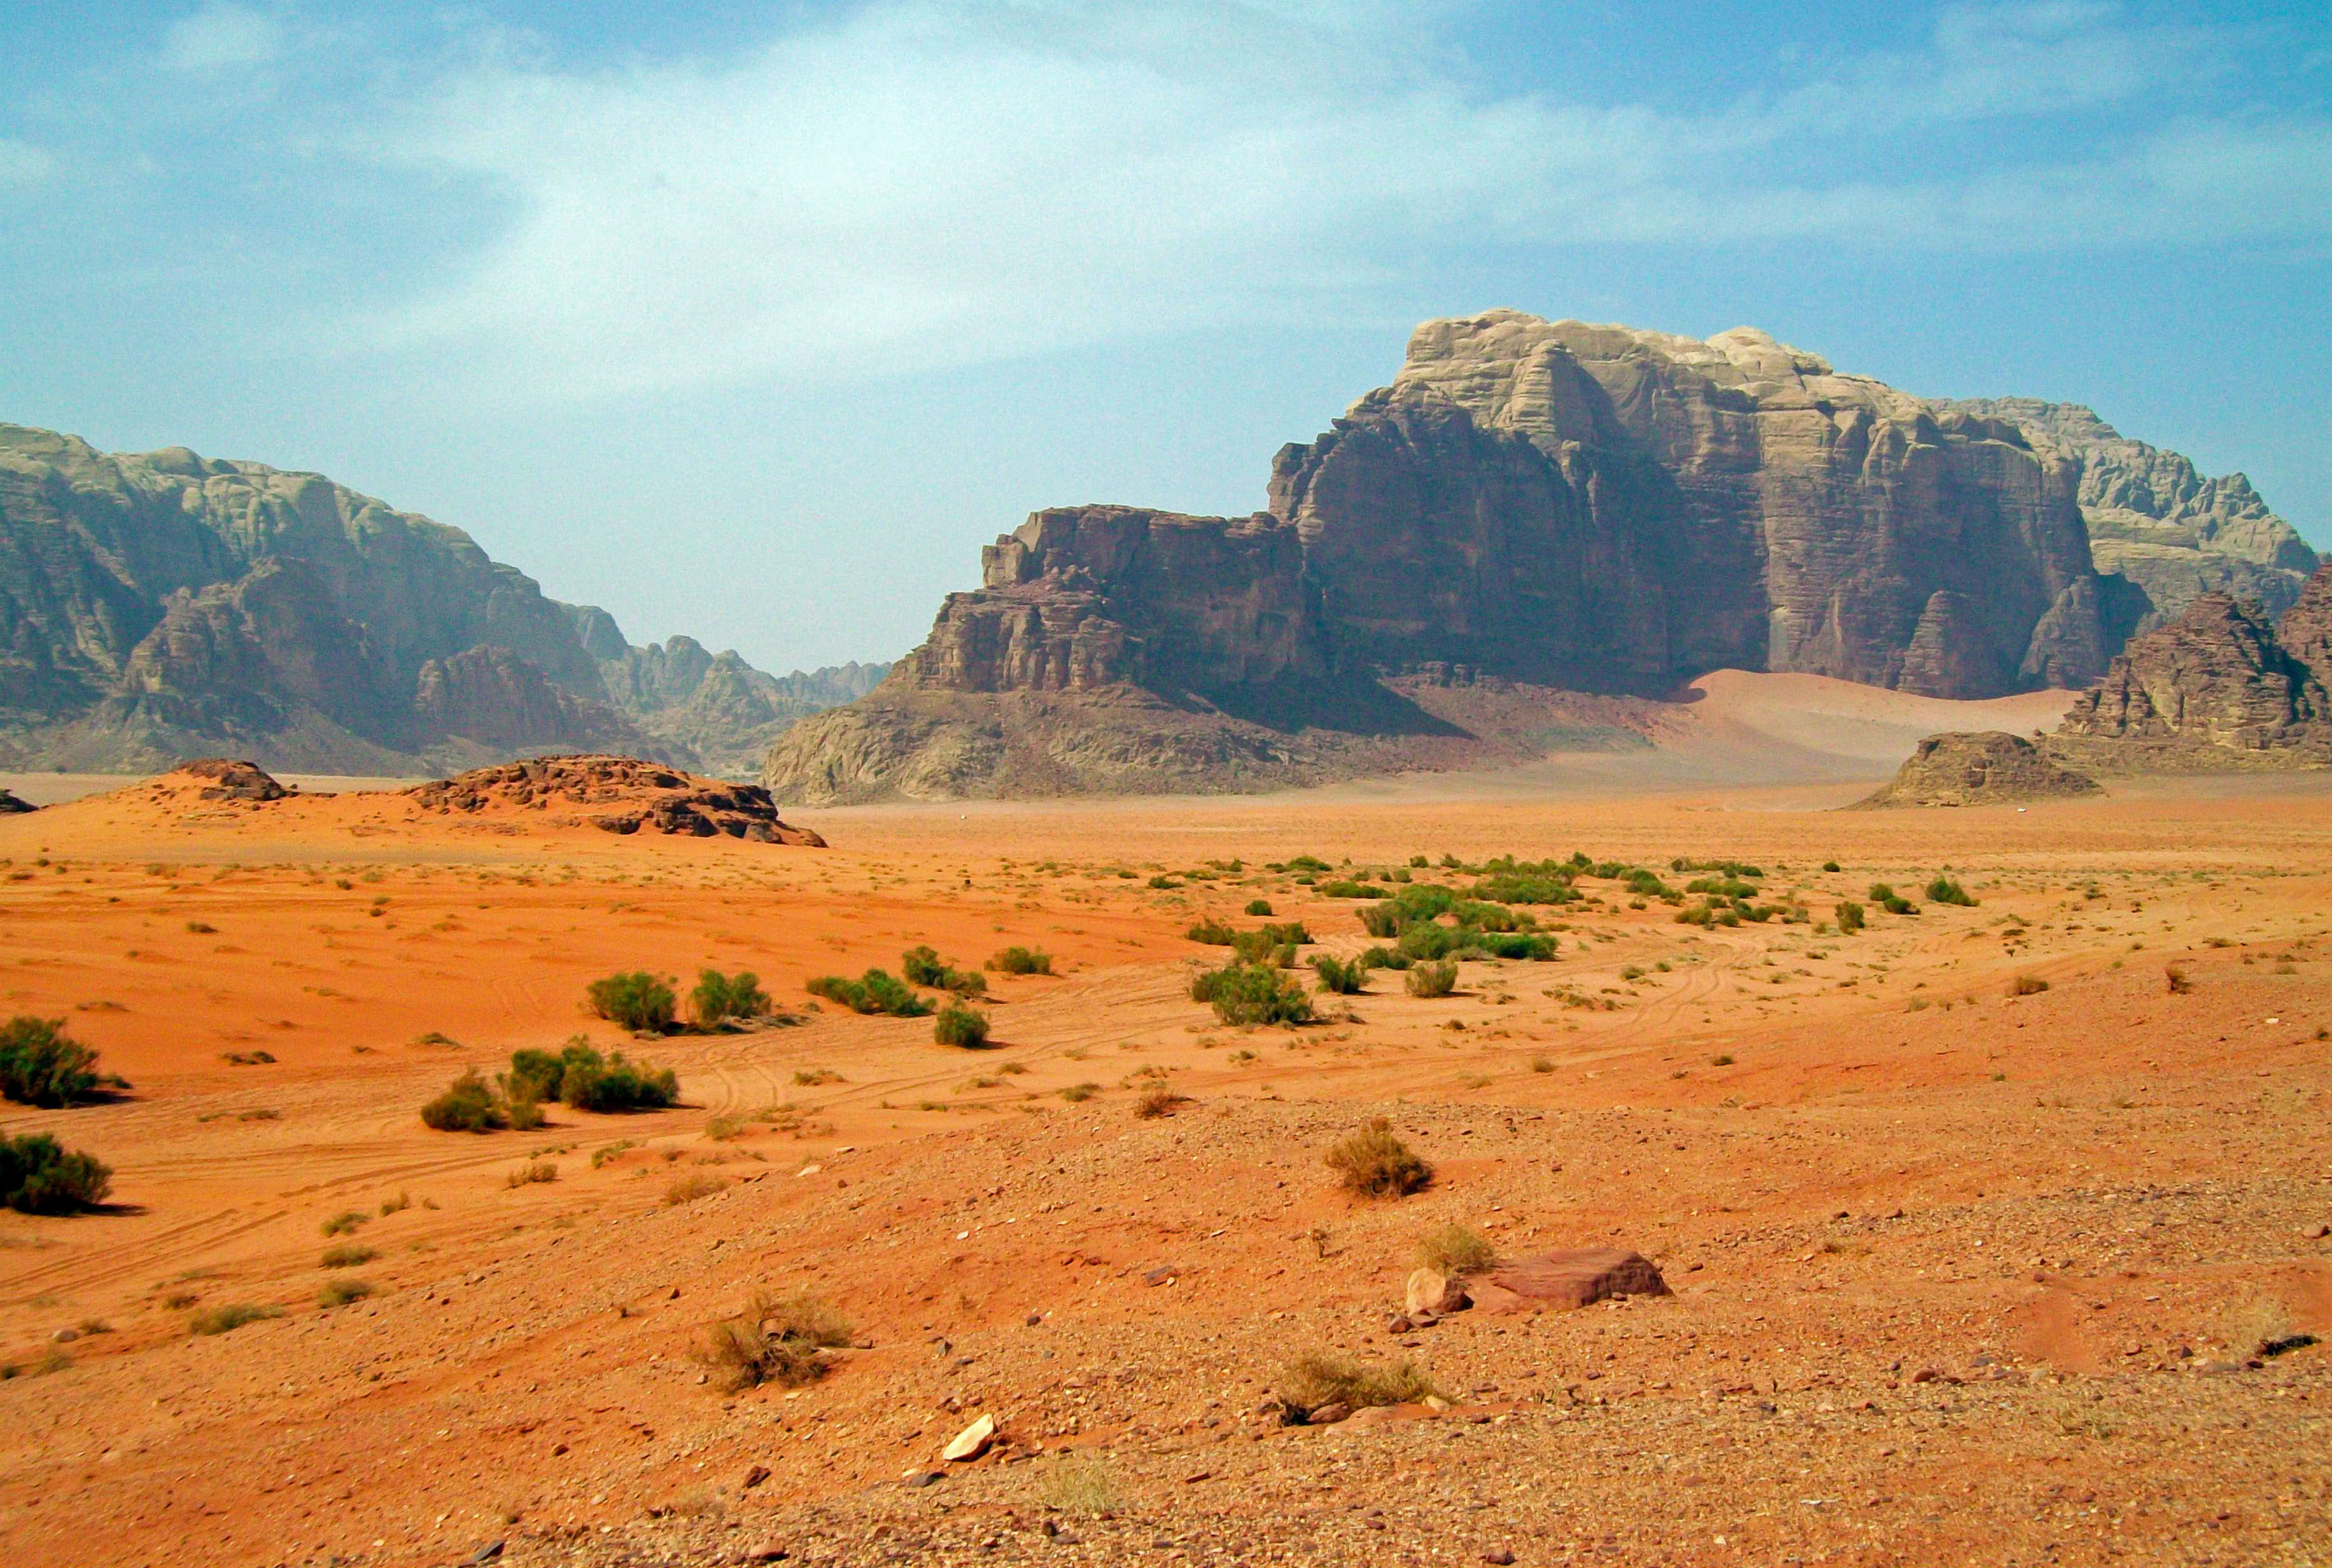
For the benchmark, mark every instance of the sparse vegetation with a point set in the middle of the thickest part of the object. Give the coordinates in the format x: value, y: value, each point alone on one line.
x: 1022, y: 960
x: 348, y: 1256
x: 637, y: 1001
x: 1159, y: 1102
x: 1342, y: 977
x: 2027, y: 985
x: 465, y: 1105
x: 213, y: 1320
x: 40, y: 1064
x: 1314, y: 1381
x: 876, y: 991
x: 922, y: 966
x: 341, y: 1291
x: 1433, y: 979
x: 39, y: 1175
x: 775, y: 1340
x: 1374, y: 1163
x: 1945, y: 890
x: 530, y: 1174
x: 1848, y: 915
x: 1250, y: 994
x: 1259, y: 906
x: 1083, y: 1484
x: 719, y: 997
x: 689, y: 1188
x: 344, y: 1223
x: 2175, y: 976
x: 1075, y: 1093
x: 1455, y: 1249
x: 958, y: 1025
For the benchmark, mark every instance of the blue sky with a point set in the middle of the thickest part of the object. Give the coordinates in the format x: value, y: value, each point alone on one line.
x: 755, y: 321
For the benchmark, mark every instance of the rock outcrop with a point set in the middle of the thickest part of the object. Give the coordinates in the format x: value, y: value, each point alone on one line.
x: 2219, y: 689
x: 163, y: 606
x: 622, y: 794
x: 1550, y: 504
x: 2159, y: 523
x: 12, y: 806
x: 1990, y: 769
x: 2215, y: 688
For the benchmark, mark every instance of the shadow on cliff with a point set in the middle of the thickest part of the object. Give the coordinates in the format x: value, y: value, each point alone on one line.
x: 1349, y: 704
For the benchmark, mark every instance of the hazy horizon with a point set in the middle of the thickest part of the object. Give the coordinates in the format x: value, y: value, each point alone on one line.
x: 756, y: 328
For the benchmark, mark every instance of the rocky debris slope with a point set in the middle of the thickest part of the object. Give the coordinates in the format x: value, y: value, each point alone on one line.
x: 1988, y: 769
x: 163, y: 605
x: 618, y: 795
x: 1550, y: 503
x: 2157, y: 520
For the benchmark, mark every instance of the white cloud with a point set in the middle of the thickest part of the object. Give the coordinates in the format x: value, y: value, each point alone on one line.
x: 220, y: 35
x: 923, y: 183
x: 22, y: 164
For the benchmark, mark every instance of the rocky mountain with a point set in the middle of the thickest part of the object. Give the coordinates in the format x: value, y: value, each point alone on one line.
x: 162, y: 606
x: 1550, y: 507
x: 2156, y: 520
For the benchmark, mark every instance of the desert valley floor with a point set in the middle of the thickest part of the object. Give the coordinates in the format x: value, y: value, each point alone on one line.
x: 1965, y: 1269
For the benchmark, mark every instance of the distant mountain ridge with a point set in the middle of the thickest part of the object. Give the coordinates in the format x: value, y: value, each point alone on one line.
x: 1532, y: 508
x: 159, y: 606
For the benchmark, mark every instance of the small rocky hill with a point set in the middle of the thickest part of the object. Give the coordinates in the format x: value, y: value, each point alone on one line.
x: 1989, y: 769
x: 159, y: 606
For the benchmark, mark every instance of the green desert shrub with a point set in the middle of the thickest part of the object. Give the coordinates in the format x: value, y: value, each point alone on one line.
x: 924, y: 966
x: 347, y: 1256
x: 1384, y: 958
x: 591, y: 1083
x: 1516, y: 945
x: 1945, y: 890
x: 641, y: 1002
x: 958, y: 1025
x: 1374, y: 1163
x: 1022, y: 960
x: 1342, y: 977
x: 2027, y: 985
x: 40, y: 1065
x: 1848, y: 915
x: 1211, y: 932
x: 1433, y: 979
x: 1261, y: 906
x: 719, y: 997
x: 1252, y: 993
x: 466, y: 1106
x: 876, y: 991
x: 39, y: 1175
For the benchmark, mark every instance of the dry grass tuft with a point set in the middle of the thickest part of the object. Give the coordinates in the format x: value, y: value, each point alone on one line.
x: 1374, y: 1163
x: 775, y: 1340
x: 1455, y: 1249
x: 1319, y: 1378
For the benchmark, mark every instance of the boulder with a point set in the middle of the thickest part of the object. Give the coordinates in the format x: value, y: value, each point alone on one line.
x: 1430, y: 1291
x: 972, y: 1441
x: 1575, y: 1279
x: 10, y: 806
x: 226, y: 779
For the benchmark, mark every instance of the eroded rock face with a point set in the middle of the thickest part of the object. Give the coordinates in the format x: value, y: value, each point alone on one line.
x: 1989, y: 769
x: 494, y: 697
x: 2158, y: 521
x: 229, y: 779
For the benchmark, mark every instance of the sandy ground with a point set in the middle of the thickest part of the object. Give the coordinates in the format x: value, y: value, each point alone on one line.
x: 1960, y: 1276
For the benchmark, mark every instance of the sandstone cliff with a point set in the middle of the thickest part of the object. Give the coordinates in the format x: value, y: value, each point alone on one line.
x: 163, y: 606
x: 1550, y: 505
x: 2155, y: 519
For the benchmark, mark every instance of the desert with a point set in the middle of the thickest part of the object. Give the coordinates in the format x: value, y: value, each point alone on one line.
x: 1186, y: 785
x: 1986, y: 1227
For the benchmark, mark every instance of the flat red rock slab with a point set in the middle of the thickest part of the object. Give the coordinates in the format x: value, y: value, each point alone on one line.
x: 1567, y: 1279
